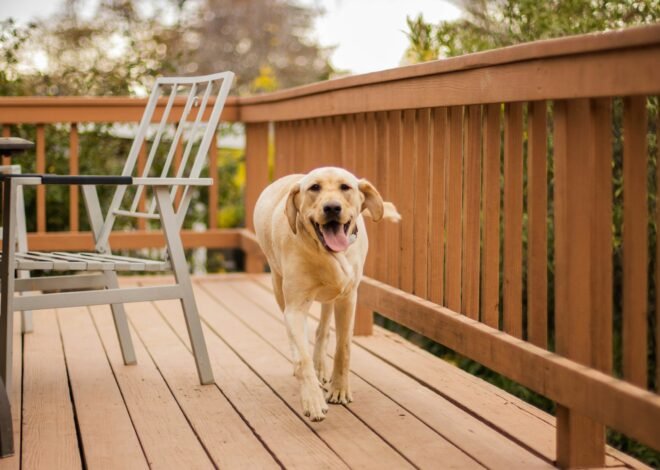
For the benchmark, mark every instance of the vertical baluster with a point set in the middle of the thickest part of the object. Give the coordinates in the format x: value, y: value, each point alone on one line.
x: 490, y: 279
x: 421, y: 204
x: 408, y: 158
x: 513, y: 179
x: 580, y: 441
x: 73, y: 170
x: 41, y: 168
x: 368, y: 171
x: 635, y: 244
x: 142, y: 200
x: 213, y: 189
x: 437, y: 205
x: 454, y: 201
x: 472, y: 202
x: 382, y: 183
x: 394, y: 155
x: 537, y: 241
x: 256, y: 178
x: 601, y: 230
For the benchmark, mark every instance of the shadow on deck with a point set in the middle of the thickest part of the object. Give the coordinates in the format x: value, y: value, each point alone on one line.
x: 82, y: 407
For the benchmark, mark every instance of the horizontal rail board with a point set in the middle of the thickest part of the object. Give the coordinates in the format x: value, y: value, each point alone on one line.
x: 45, y: 110
x: 68, y: 241
x: 594, y: 75
x: 623, y: 406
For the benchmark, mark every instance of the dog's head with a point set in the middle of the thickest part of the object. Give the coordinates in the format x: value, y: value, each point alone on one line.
x: 327, y: 203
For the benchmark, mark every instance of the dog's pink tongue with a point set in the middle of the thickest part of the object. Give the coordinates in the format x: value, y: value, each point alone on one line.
x: 335, y: 239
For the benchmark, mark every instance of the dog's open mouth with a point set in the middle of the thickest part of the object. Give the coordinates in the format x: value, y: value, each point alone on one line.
x: 333, y: 235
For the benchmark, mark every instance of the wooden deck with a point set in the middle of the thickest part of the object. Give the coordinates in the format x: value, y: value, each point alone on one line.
x: 76, y: 404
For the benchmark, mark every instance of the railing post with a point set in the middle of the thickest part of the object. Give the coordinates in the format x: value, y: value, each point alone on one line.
x: 256, y: 179
x: 578, y: 262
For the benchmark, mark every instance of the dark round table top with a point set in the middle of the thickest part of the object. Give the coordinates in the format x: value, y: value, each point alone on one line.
x: 11, y: 145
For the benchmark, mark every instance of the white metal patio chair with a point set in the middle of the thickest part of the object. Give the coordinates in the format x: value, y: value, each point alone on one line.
x: 204, y: 99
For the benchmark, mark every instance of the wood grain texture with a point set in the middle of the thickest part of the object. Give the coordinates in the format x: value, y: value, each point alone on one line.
x: 471, y: 212
x: 13, y: 462
x: 572, y: 384
x: 227, y: 438
x: 382, y: 183
x: 580, y: 440
x: 73, y: 170
x: 41, y: 168
x: 635, y: 243
x: 537, y: 210
x: 394, y: 158
x: 265, y: 392
x: 48, y: 427
x: 513, y: 208
x: 531, y: 80
x: 421, y: 202
x: 413, y: 401
x: 407, y: 208
x: 213, y: 190
x: 106, y: 429
x: 439, y: 156
x: 602, y: 236
x: 490, y: 274
x: 454, y: 201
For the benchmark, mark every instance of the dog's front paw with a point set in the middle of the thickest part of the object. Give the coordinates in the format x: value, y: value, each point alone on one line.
x: 339, y: 394
x: 313, y: 402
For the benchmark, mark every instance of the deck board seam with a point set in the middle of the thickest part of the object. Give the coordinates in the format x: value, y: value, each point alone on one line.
x: 240, y: 415
x: 277, y: 351
x: 76, y: 423
x: 431, y: 428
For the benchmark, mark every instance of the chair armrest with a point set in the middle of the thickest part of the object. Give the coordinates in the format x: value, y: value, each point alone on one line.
x: 110, y: 179
x: 173, y: 181
x: 36, y: 179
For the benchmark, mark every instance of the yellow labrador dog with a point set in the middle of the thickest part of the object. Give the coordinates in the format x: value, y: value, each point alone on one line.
x: 311, y: 229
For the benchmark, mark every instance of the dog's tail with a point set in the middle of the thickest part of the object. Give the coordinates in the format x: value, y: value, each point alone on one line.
x: 389, y: 212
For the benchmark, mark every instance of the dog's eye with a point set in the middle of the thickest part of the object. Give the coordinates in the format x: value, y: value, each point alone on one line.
x: 344, y: 187
x: 315, y: 187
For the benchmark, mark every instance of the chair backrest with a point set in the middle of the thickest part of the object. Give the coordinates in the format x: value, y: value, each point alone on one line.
x: 204, y: 98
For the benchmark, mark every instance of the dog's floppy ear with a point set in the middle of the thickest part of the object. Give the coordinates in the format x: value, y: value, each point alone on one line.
x: 372, y: 200
x: 291, y: 207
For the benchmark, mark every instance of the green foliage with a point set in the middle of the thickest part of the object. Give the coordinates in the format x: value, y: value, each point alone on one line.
x: 499, y: 23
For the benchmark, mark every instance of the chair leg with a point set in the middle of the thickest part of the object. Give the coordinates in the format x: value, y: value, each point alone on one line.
x: 180, y: 268
x: 7, y: 283
x: 21, y: 240
x: 121, y: 324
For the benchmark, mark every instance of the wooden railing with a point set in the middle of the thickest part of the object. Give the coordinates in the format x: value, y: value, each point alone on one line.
x: 502, y: 165
x: 505, y: 166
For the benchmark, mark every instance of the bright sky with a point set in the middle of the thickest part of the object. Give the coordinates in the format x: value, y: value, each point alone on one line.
x: 368, y: 33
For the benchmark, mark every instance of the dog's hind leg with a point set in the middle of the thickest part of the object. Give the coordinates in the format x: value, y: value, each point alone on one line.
x: 320, y: 346
x: 277, y: 289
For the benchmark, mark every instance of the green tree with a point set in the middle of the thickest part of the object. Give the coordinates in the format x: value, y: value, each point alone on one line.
x: 498, y: 23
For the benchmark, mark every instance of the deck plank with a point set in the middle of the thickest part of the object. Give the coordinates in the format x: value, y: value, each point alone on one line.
x: 410, y: 435
x: 227, y: 438
x: 505, y: 412
x: 473, y: 436
x: 360, y: 448
x: 49, y: 431
x: 165, y: 435
x: 108, y: 437
x: 285, y: 434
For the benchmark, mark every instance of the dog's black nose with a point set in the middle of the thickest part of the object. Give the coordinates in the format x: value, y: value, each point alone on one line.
x: 332, y: 209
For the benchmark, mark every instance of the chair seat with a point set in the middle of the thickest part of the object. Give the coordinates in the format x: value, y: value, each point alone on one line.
x: 65, y: 261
